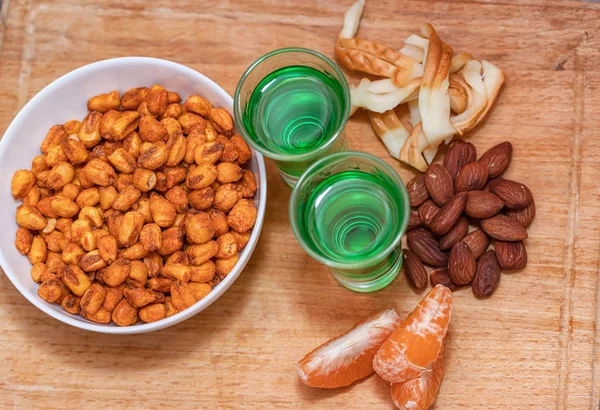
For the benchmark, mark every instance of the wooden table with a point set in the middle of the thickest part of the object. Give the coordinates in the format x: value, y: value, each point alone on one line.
x: 534, y: 345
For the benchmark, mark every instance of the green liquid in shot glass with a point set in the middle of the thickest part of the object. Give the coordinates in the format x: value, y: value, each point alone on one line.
x: 294, y: 109
x: 350, y: 216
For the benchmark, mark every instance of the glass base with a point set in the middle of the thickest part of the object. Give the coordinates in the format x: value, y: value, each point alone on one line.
x: 373, y: 280
x: 289, y: 180
x: 341, y: 145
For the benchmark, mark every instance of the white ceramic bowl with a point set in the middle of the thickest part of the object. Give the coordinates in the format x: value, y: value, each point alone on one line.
x: 66, y: 99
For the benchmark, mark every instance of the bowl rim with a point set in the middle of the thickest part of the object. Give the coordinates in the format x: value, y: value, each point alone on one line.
x: 10, y: 135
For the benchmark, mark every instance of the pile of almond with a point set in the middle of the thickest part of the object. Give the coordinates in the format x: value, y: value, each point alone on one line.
x: 450, y: 198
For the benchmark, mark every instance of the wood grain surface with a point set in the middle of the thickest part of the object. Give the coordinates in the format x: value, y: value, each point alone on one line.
x: 534, y: 345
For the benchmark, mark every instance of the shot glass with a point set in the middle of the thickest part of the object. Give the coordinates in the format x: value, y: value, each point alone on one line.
x: 292, y: 106
x: 349, y: 211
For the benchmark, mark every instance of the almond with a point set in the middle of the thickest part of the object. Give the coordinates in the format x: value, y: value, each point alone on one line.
x: 477, y: 241
x: 487, y: 276
x: 511, y: 255
x: 414, y: 269
x: 503, y: 228
x: 427, y: 212
x: 497, y: 159
x: 439, y: 184
x: 414, y: 220
x: 448, y: 214
x: 471, y: 177
x: 461, y: 264
x: 440, y: 276
x: 424, y: 245
x: 491, y: 181
x: 524, y: 215
x: 459, y: 154
x: 514, y: 194
x: 481, y: 204
x: 456, y: 234
x: 417, y: 191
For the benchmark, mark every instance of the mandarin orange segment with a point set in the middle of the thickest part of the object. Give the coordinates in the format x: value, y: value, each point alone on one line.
x: 420, y: 393
x: 344, y: 359
x: 417, y: 342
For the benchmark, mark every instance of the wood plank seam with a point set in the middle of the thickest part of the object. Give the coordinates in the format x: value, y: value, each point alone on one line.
x: 566, y: 308
x: 595, y: 399
x: 4, y: 4
x: 228, y: 17
x: 553, y: 5
x: 27, y: 55
x: 595, y: 396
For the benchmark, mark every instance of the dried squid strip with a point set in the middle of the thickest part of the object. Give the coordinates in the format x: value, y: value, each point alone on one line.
x: 369, y: 56
x: 390, y: 130
x: 362, y: 97
x: 352, y: 20
x: 414, y: 52
x: 458, y: 94
x: 403, y: 143
x: 414, y: 119
x: 493, y: 79
x: 429, y: 154
x: 357, y: 94
x: 383, y: 86
x: 434, y: 101
x: 417, y: 41
x: 472, y: 83
x: 413, y: 110
x: 415, y: 47
x: 459, y: 60
x: 412, y: 151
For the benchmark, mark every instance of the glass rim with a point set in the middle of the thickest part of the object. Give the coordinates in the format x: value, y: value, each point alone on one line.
x: 373, y: 260
x: 237, y: 109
